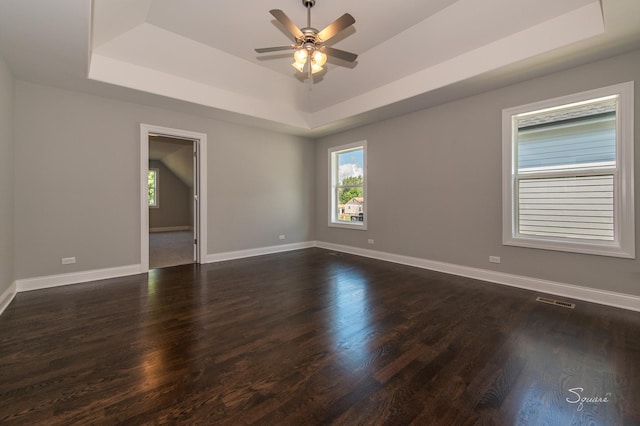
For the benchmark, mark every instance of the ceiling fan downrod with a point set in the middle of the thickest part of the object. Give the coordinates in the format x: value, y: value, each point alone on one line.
x: 310, y: 40
x: 308, y: 4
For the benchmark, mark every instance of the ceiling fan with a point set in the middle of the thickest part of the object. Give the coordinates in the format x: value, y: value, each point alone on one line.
x: 310, y: 50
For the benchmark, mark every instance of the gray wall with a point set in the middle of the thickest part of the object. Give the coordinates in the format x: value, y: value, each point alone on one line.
x: 443, y: 166
x: 6, y: 176
x: 77, y: 172
x: 174, y: 202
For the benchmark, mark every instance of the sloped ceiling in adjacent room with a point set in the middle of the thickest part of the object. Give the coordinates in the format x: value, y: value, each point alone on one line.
x: 175, y: 154
x: 200, y: 53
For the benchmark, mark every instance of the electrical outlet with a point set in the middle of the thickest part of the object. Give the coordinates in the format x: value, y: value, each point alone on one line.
x: 370, y: 241
x: 68, y: 260
x: 494, y: 259
x: 281, y: 237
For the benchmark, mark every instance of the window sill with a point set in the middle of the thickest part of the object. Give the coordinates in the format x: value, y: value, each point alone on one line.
x: 602, y: 249
x: 360, y: 226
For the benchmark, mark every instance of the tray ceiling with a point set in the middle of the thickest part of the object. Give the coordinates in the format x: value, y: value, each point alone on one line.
x: 412, y: 53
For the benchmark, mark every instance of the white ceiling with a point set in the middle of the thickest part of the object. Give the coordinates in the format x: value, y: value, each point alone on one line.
x: 197, y: 55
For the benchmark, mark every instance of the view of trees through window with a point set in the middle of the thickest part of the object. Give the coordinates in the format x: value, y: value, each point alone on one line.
x: 350, y: 188
x: 152, y: 181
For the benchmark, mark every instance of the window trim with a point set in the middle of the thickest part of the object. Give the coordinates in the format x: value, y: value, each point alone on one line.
x: 624, y: 219
x: 156, y: 187
x: 332, y: 222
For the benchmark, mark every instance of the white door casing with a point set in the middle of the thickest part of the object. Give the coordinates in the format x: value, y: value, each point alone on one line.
x: 200, y: 189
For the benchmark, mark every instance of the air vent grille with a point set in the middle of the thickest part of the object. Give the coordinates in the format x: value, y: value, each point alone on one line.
x: 556, y: 302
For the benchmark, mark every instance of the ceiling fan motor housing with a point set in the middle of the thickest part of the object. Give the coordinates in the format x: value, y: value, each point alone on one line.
x: 310, y: 37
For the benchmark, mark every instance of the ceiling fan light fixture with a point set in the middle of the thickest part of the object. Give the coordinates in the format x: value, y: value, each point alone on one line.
x: 315, y: 68
x: 319, y: 58
x: 309, y: 42
x: 300, y: 56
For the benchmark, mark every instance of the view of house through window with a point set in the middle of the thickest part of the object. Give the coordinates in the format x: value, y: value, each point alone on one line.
x: 153, y: 187
x: 566, y: 179
x: 553, y: 199
x: 348, y: 185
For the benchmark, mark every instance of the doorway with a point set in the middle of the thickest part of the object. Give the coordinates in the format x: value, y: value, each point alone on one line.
x: 173, y: 197
x: 172, y: 221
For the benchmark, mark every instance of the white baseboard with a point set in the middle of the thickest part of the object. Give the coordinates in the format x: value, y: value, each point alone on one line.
x: 230, y: 255
x: 7, y: 297
x: 603, y: 297
x: 38, y: 283
x: 171, y: 229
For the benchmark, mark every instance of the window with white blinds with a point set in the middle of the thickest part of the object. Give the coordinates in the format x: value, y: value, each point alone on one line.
x: 568, y: 173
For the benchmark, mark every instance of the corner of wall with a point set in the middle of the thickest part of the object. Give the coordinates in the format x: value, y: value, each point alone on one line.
x: 7, y: 297
x: 7, y: 184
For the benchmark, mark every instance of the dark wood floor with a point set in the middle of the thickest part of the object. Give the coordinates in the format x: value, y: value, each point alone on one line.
x: 311, y: 337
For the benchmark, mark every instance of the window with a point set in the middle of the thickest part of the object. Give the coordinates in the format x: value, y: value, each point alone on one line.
x: 568, y: 173
x: 153, y: 187
x: 347, y: 186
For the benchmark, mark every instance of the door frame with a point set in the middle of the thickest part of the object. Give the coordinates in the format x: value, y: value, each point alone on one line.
x: 200, y: 185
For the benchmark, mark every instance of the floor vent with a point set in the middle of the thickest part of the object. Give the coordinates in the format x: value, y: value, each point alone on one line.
x: 556, y: 302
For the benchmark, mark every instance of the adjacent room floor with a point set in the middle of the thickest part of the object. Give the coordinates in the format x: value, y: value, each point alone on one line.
x: 313, y: 337
x: 170, y: 249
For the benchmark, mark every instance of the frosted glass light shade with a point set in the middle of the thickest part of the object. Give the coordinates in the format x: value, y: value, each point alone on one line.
x: 319, y: 58
x: 300, y: 56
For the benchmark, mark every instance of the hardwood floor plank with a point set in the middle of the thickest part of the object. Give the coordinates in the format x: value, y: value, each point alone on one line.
x: 306, y: 337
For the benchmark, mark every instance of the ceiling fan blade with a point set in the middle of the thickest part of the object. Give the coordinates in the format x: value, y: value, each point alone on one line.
x: 336, y: 26
x: 288, y: 23
x: 273, y: 49
x: 340, y: 54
